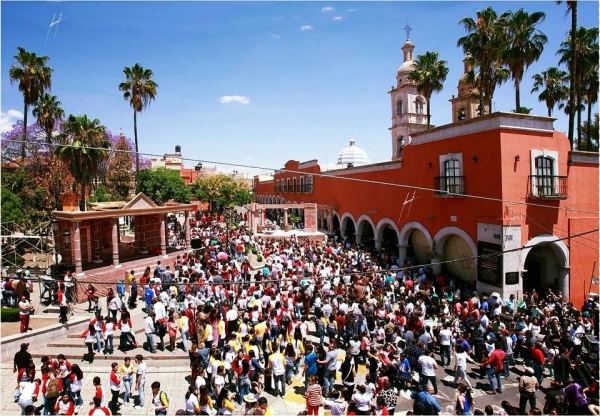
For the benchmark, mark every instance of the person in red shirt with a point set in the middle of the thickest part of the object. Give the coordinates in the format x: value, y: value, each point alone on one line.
x: 538, y: 358
x: 99, y: 409
x: 51, y: 401
x: 496, y: 366
x: 91, y: 292
x: 64, y: 406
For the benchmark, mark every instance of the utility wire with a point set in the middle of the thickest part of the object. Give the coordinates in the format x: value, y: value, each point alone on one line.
x: 329, y: 174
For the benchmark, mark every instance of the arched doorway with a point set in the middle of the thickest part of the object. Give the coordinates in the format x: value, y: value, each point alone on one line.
x: 546, y: 265
x: 417, y: 249
x: 349, y: 228
x: 367, y: 233
x: 336, y: 226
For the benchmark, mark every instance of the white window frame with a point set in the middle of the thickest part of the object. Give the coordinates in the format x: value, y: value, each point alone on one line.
x: 549, y: 154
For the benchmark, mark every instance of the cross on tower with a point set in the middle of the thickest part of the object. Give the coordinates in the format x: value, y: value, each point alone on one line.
x: 407, y: 29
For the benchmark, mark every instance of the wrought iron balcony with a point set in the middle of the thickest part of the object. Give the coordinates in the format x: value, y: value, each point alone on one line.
x: 548, y: 187
x: 449, y: 185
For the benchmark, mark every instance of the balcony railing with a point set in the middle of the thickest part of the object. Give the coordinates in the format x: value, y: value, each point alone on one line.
x: 449, y: 185
x: 548, y: 187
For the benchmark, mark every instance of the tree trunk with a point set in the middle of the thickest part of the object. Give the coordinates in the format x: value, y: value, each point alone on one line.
x: 24, y: 133
x: 578, y: 119
x: 82, y: 203
x: 428, y: 113
x: 517, y: 96
x: 589, y: 126
x: 573, y: 68
x: 137, y: 155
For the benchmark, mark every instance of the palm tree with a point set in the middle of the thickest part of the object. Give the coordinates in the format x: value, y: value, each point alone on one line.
x: 48, y: 111
x: 524, y: 45
x: 34, y: 77
x: 572, y: 8
x: 429, y: 75
x: 591, y: 82
x: 83, y: 145
x: 483, y: 42
x: 586, y: 55
x: 139, y: 90
x: 553, y: 86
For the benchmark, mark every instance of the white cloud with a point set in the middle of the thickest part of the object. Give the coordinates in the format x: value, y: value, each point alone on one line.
x: 327, y: 9
x: 338, y: 18
x: 274, y: 36
x: 352, y: 10
x: 242, y: 99
x: 306, y: 27
x: 8, y: 119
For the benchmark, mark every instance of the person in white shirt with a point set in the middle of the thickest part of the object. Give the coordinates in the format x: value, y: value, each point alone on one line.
x: 460, y: 365
x: 445, y: 337
x: 277, y: 366
x: 149, y: 331
x: 428, y: 367
x: 140, y: 380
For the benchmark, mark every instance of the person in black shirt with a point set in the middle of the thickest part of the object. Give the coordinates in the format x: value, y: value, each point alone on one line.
x: 22, y: 358
x: 556, y: 399
x: 562, y: 366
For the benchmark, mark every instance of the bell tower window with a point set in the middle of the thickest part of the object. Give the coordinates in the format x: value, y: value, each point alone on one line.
x: 419, y: 106
x: 399, y: 109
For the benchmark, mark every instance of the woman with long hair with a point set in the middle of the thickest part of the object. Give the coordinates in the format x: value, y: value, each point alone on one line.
x: 76, y: 384
x: 290, y: 359
x: 243, y: 381
x: 205, y: 402
x: 225, y: 402
x: 464, y: 401
x: 192, y: 407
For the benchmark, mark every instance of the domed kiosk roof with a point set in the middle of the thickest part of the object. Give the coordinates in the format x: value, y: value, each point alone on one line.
x: 353, y: 155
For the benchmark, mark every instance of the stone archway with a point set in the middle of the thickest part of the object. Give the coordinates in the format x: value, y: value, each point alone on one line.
x: 387, y: 236
x: 546, y: 263
x: 336, y: 225
x: 414, y: 241
x: 365, y: 232
x: 348, y: 226
x: 456, y: 247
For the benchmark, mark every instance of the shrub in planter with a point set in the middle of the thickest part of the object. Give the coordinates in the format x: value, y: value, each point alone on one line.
x: 254, y: 251
x: 259, y: 258
x: 9, y: 315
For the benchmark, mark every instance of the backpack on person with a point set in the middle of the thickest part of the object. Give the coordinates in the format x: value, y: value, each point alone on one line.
x: 52, y: 389
x: 164, y: 399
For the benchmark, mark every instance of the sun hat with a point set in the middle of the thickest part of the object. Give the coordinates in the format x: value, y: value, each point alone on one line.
x: 250, y: 398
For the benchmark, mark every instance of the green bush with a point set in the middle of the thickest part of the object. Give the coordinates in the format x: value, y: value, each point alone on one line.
x: 9, y: 315
x: 254, y: 251
x: 246, y: 251
x: 259, y: 258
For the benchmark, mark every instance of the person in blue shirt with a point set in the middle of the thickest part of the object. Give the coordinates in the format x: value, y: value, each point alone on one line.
x: 121, y: 290
x: 310, y: 364
x: 425, y: 402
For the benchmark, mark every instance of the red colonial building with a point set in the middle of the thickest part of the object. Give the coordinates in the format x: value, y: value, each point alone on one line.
x: 496, y: 199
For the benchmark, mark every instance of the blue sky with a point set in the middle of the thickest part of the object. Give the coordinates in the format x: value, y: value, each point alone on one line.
x: 255, y: 83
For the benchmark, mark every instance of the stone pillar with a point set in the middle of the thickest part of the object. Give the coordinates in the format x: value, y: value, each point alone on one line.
x: 402, y: 253
x: 115, y: 242
x: 76, y: 250
x: 163, y: 236
x: 285, y: 219
x: 254, y: 220
x: 97, y: 248
x: 563, y: 281
x: 320, y: 215
x: 436, y: 267
x: 377, y: 243
x: 187, y: 230
x: 358, y: 238
x: 330, y: 221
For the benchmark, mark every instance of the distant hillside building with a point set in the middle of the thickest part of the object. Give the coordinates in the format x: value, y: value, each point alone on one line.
x: 175, y: 161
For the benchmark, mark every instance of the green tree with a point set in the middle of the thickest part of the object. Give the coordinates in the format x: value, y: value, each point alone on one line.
x: 162, y: 185
x: 429, y: 75
x: 120, y: 174
x: 83, y: 146
x: 572, y: 9
x: 221, y: 190
x: 12, y: 208
x: 34, y: 77
x: 139, y: 89
x: 590, y: 135
x: 100, y: 195
x: 553, y: 86
x: 48, y: 111
x: 586, y: 55
x: 591, y: 96
x: 483, y: 42
x: 524, y: 45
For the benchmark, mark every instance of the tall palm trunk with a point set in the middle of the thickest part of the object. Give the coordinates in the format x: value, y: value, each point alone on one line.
x: 24, y: 133
x: 572, y: 69
x: 589, y: 125
x: 428, y: 112
x: 517, y: 95
x: 578, y: 119
x: 137, y: 154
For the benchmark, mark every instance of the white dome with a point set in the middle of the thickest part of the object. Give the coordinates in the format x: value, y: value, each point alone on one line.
x: 407, y: 67
x: 352, y: 155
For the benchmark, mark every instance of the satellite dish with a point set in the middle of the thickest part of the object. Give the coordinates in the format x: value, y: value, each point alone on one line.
x: 57, y: 258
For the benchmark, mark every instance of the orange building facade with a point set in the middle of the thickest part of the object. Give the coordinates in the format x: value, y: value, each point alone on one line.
x: 498, y: 200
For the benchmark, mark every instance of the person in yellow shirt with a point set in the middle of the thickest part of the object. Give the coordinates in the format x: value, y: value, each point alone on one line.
x: 222, y: 335
x: 127, y: 372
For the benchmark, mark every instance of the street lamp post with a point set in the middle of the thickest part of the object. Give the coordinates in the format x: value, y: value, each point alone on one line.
x: 54, y: 224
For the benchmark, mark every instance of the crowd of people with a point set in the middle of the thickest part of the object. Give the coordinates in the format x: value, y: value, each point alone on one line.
x: 310, y: 304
